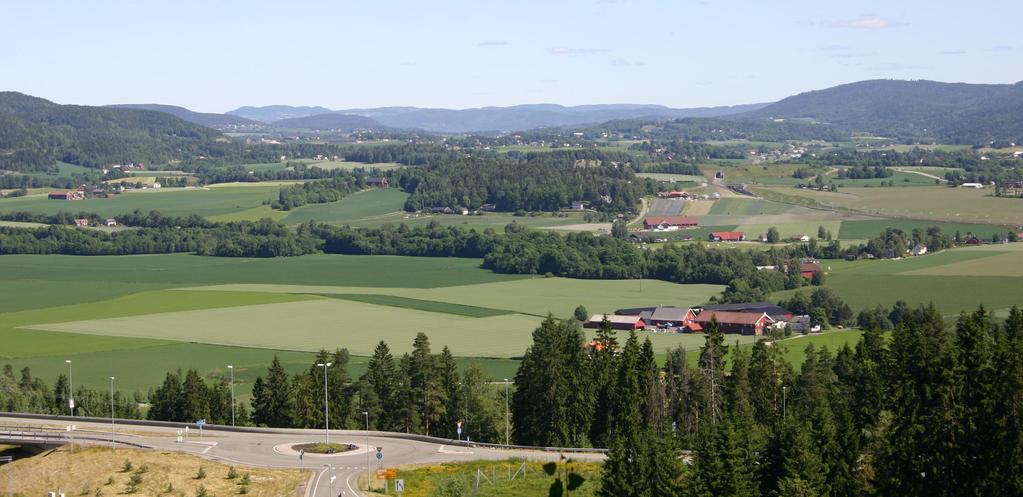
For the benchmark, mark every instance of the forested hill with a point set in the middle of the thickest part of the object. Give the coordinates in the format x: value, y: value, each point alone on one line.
x: 331, y: 121
x: 218, y: 121
x: 926, y: 110
x: 35, y: 133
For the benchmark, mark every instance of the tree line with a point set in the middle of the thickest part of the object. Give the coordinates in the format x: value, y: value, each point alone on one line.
x: 922, y: 410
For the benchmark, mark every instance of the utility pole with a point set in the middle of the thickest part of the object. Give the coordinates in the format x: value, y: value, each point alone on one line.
x: 783, y: 402
x: 366, y: 414
x: 326, y: 408
x: 70, y: 388
x: 112, y: 428
x: 507, y: 412
x: 231, y: 367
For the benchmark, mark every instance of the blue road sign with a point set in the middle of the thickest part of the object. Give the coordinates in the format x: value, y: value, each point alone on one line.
x: 380, y: 456
x: 459, y: 430
x: 200, y: 422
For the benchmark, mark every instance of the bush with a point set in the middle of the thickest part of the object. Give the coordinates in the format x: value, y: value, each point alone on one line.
x: 127, y: 466
x: 232, y: 473
x: 110, y: 481
x: 142, y: 469
x: 243, y: 490
x: 201, y: 474
x: 245, y: 479
x: 202, y: 492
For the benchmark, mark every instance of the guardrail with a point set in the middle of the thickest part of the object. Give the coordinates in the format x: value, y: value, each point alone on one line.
x: 44, y: 434
x: 360, y: 433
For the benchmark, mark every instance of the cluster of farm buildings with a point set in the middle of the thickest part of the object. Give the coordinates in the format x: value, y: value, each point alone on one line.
x: 753, y: 318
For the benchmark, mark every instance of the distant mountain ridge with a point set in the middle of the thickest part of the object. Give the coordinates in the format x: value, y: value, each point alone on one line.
x: 331, y: 121
x: 946, y: 112
x: 211, y: 120
x: 484, y: 119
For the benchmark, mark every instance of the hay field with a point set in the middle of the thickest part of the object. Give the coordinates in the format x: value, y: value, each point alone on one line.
x: 86, y: 472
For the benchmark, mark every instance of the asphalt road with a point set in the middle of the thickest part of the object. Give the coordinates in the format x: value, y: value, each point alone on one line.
x: 333, y: 475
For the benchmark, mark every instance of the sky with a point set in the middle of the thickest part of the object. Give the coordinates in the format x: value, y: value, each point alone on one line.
x: 217, y: 55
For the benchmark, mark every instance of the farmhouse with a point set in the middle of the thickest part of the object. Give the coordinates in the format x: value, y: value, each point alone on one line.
x: 578, y: 205
x: 808, y: 268
x: 111, y: 222
x: 442, y: 210
x: 745, y: 323
x: 727, y: 236
x: 377, y: 181
x: 800, y: 238
x: 673, y: 194
x: 918, y: 249
x: 777, y: 313
x: 669, y: 222
x: 81, y: 222
x: 972, y: 185
x: 617, y: 322
x: 70, y: 195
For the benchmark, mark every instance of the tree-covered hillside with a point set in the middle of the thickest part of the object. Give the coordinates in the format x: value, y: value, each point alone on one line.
x: 35, y: 133
x: 345, y: 122
x: 911, y: 110
x: 212, y: 120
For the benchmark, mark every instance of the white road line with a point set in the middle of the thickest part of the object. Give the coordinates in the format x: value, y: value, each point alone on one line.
x: 317, y: 484
x: 207, y: 449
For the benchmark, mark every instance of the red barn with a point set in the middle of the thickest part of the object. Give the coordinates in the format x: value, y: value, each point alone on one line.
x: 808, y: 268
x: 662, y: 222
x: 72, y: 195
x: 727, y: 236
x: 745, y: 323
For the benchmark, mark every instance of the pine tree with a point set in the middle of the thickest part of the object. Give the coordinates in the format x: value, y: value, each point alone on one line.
x: 194, y: 397
x: 712, y: 371
x: 166, y: 402
x: 540, y: 413
x: 454, y: 410
x: 429, y: 395
x: 272, y: 401
x: 604, y: 366
x: 382, y: 378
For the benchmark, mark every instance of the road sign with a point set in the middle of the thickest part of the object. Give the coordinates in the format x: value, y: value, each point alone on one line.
x: 459, y: 428
x: 379, y: 456
x: 399, y: 485
x: 200, y: 422
x: 381, y: 474
x: 6, y: 458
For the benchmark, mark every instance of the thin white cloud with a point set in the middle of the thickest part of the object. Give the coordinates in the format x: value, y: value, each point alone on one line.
x: 854, y: 55
x: 954, y: 51
x: 577, y: 51
x: 1000, y: 48
x: 493, y: 43
x: 868, y: 21
x: 834, y: 48
x: 625, y: 63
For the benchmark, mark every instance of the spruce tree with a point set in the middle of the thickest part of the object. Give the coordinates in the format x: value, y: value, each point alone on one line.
x: 603, y: 354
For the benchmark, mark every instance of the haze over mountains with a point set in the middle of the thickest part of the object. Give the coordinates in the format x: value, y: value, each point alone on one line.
x: 515, y: 118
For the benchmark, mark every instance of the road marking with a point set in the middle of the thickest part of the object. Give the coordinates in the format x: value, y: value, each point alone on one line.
x: 443, y: 450
x: 207, y: 449
x: 317, y: 484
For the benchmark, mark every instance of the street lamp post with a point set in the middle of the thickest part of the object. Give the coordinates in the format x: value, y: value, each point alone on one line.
x: 507, y: 412
x: 231, y: 367
x: 366, y: 415
x: 70, y: 388
x: 784, y: 402
x: 326, y: 408
x: 112, y: 428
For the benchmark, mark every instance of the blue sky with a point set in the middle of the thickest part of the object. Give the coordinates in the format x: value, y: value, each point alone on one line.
x: 217, y: 55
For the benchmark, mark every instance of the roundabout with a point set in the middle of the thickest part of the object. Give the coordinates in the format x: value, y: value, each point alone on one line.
x: 321, y: 450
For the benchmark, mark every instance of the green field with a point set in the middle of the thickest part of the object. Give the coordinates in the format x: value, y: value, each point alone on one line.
x: 953, y: 280
x: 381, y: 204
x: 865, y: 229
x: 901, y: 179
x: 128, y: 316
x: 743, y: 206
x: 169, y: 201
x: 430, y: 479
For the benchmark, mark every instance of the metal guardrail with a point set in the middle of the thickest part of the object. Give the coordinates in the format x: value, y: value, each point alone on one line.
x: 44, y: 434
x: 284, y: 431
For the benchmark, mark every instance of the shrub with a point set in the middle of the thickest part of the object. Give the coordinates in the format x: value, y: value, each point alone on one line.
x: 202, y: 492
x: 245, y: 479
x: 243, y: 490
x: 232, y: 473
x: 127, y: 466
x: 201, y: 474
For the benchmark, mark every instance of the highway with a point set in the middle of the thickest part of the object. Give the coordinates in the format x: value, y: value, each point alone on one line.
x: 270, y: 448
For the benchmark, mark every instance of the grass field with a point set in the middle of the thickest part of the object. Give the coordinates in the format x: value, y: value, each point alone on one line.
x: 959, y: 205
x: 86, y: 472
x: 125, y: 317
x: 366, y: 206
x: 170, y: 201
x: 435, y: 479
x: 673, y: 178
x: 865, y: 229
x: 901, y: 179
x: 953, y: 280
x: 744, y: 206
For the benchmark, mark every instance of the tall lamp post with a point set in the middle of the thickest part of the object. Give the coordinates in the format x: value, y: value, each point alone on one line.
x: 70, y: 388
x: 231, y: 367
x: 112, y: 428
x: 366, y: 415
x: 783, y: 402
x: 507, y: 412
x: 326, y: 408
